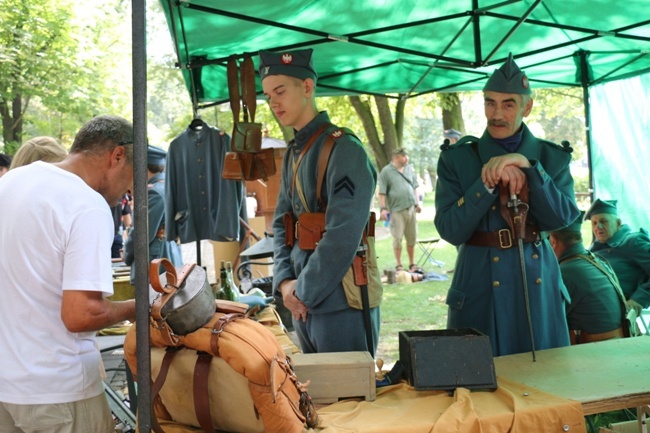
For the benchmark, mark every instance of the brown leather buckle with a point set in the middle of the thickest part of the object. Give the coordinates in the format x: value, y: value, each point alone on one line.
x: 503, y: 238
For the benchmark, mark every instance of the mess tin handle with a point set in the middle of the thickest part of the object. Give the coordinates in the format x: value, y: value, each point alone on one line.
x: 170, y: 275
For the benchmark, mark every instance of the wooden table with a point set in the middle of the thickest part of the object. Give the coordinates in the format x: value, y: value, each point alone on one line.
x: 605, y: 376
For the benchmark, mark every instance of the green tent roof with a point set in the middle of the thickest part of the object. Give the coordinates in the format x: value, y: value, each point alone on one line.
x: 414, y: 46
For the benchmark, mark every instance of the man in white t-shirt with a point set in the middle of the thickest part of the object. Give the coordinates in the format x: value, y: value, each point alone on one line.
x: 56, y: 231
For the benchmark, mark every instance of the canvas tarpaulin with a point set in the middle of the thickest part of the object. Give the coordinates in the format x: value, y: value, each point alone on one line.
x: 620, y: 147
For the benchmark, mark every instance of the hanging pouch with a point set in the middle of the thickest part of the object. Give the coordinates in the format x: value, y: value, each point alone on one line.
x: 247, y: 137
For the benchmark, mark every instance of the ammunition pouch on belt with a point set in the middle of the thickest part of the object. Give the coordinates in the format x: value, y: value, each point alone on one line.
x: 308, y: 230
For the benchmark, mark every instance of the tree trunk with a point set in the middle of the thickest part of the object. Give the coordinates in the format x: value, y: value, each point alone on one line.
x: 452, y: 112
x: 368, y: 121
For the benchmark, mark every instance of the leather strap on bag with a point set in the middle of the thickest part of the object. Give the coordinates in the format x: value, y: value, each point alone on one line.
x: 173, y: 282
x: 218, y: 329
x: 200, y: 391
x: 157, y: 385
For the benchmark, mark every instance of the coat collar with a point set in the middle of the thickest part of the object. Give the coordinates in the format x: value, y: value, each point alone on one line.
x: 488, y: 148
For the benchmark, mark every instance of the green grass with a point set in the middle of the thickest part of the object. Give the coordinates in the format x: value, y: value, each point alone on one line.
x: 417, y: 306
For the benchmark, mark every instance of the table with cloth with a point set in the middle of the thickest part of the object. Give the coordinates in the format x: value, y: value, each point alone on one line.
x: 551, y: 394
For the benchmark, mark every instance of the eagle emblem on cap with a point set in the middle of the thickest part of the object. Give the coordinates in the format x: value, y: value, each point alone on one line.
x: 287, y: 58
x: 524, y: 82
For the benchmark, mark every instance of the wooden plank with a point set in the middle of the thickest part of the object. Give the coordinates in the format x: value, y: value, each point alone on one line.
x: 603, y: 376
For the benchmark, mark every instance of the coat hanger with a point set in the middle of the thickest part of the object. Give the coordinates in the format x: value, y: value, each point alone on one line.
x: 196, y: 124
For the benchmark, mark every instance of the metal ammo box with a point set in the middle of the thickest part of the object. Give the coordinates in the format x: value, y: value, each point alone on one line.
x: 447, y: 359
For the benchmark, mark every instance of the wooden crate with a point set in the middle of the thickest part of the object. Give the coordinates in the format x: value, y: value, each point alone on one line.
x: 334, y: 376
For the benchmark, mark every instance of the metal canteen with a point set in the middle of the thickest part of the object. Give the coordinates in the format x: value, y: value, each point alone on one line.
x: 191, y: 305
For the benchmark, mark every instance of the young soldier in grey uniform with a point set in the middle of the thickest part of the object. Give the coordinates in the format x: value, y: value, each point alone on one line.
x: 310, y: 279
x: 487, y: 291
x: 159, y: 245
x: 628, y: 252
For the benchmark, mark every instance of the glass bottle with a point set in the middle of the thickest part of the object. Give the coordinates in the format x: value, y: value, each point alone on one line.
x: 234, y: 290
x: 221, y: 293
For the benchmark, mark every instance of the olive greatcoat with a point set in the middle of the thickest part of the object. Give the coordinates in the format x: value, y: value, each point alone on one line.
x: 486, y: 292
x: 628, y: 253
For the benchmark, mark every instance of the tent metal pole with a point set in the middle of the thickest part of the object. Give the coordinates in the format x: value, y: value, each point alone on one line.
x: 139, y: 61
x: 584, y: 80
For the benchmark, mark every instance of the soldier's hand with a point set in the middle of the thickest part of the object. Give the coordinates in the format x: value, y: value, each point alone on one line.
x: 493, y: 171
x: 634, y: 305
x: 290, y: 299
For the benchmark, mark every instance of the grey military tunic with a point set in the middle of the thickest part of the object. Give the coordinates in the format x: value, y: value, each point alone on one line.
x: 348, y: 190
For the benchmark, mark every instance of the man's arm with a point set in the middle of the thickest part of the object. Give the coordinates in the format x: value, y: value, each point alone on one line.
x: 86, y: 311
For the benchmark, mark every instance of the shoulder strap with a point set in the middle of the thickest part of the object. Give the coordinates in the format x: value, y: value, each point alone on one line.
x: 233, y: 88
x: 248, y: 96
x: 323, y: 161
x: 324, y: 158
x: 610, y: 275
x: 296, y: 164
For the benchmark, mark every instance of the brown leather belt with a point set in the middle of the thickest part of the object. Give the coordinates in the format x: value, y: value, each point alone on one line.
x: 503, y: 238
x: 580, y: 337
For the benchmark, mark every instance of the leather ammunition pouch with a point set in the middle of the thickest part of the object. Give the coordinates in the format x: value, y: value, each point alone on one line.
x: 309, y: 230
x: 247, y: 137
x: 249, y: 166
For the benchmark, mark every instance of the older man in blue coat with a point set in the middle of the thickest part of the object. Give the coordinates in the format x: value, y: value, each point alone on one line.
x: 487, y: 291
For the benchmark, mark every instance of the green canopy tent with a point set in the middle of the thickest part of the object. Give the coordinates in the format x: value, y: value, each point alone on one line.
x: 411, y: 47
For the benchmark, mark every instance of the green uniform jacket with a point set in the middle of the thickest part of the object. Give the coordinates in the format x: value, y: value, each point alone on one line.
x: 486, y: 292
x: 595, y: 305
x: 629, y: 255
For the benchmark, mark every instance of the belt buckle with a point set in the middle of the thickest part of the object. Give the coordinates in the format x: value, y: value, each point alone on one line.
x: 295, y: 230
x: 502, y: 244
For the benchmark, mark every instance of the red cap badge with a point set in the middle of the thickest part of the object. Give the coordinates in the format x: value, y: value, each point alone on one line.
x: 287, y: 58
x: 524, y: 82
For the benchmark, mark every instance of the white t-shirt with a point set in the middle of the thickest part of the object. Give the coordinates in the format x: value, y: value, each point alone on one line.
x: 55, y: 234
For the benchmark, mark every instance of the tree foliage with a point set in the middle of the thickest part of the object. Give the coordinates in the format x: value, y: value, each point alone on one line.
x: 62, y: 65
